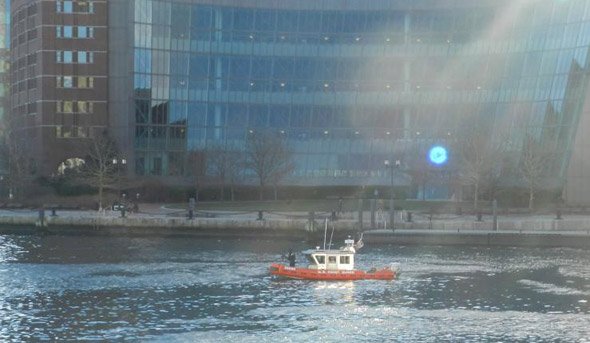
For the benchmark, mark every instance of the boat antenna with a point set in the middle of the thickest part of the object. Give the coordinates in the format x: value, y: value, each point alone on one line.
x: 325, y: 232
x: 331, y: 235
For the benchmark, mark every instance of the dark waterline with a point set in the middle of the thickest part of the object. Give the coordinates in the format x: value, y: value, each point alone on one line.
x: 209, y: 290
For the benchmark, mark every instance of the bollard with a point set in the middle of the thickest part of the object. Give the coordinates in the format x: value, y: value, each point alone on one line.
x: 41, y: 217
x: 409, y: 217
x: 311, y: 221
x: 373, y: 208
x: 558, y: 214
x: 392, y: 214
x: 495, y: 215
x: 360, y: 214
x: 192, y: 205
x: 479, y: 216
x: 260, y: 216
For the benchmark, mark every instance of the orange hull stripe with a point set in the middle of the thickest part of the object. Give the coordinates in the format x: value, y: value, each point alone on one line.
x: 311, y: 274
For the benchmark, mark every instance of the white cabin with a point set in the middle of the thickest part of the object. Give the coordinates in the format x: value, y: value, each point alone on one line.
x: 323, y: 259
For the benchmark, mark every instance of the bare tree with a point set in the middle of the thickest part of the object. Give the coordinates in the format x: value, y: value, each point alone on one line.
x: 479, y: 159
x: 276, y: 178
x: 99, y: 169
x: 217, y: 160
x: 196, y: 169
x: 535, y: 160
x: 234, y: 170
x: 226, y: 165
x: 269, y: 158
x: 19, y: 165
x: 419, y: 170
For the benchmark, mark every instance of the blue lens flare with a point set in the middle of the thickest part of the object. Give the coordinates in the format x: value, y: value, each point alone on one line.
x: 438, y: 155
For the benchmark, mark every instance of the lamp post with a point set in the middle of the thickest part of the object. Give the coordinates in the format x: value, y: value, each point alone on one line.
x: 119, y: 162
x: 390, y: 165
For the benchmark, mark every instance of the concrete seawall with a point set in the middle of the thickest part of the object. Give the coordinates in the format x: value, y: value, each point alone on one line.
x: 539, y: 231
x: 575, y: 239
x: 152, y: 225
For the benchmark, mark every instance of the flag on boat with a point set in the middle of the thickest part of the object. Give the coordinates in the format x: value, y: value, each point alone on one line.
x: 359, y: 244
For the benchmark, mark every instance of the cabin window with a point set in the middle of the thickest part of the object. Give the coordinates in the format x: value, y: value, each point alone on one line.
x: 344, y: 259
x: 321, y: 259
x: 331, y: 259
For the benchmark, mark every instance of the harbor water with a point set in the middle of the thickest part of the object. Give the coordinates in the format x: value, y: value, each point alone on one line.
x: 179, y: 289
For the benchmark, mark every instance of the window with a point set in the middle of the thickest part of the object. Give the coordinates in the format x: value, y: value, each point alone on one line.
x: 31, y: 59
x: 331, y: 259
x: 32, y: 34
x: 64, y: 81
x: 68, y: 31
x: 85, y: 32
x: 32, y: 108
x: 74, y: 107
x: 321, y: 259
x: 71, y: 131
x: 85, y: 57
x: 344, y: 259
x: 64, y: 107
x: 65, y: 7
x: 82, y: 57
x: 74, y: 7
x: 85, y: 106
x: 32, y: 10
x: 85, y: 7
x: 85, y: 82
x: 64, y: 56
x: 64, y: 31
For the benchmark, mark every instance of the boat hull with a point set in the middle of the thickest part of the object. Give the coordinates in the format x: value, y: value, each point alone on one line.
x: 283, y: 271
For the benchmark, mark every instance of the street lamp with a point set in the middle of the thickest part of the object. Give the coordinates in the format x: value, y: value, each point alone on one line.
x: 119, y: 162
x: 388, y: 164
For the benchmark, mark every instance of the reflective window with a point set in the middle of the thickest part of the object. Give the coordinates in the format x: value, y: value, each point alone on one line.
x: 342, y: 82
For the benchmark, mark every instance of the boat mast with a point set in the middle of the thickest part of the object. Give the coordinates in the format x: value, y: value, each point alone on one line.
x: 325, y: 232
x: 331, y: 236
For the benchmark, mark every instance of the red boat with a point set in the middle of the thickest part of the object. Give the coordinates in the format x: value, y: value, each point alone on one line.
x: 332, y: 265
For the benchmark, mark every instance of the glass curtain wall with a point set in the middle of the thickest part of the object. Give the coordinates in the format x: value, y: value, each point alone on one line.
x: 351, y: 88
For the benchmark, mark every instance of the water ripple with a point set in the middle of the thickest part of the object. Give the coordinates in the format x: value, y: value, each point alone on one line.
x: 187, y: 290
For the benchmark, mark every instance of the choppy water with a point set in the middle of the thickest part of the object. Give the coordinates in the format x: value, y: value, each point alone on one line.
x: 206, y: 290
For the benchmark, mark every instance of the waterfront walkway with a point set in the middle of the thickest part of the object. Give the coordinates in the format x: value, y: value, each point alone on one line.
x: 543, y: 230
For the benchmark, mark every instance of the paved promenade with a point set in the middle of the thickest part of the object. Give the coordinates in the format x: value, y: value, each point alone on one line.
x: 539, y: 230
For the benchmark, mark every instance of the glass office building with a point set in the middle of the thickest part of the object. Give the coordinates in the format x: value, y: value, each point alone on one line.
x: 348, y: 83
x: 4, y: 55
x: 4, y: 69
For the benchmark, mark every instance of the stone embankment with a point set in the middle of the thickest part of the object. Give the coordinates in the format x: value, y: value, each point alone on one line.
x: 513, y: 230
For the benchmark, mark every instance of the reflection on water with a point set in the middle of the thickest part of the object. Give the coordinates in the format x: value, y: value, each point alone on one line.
x: 208, y: 290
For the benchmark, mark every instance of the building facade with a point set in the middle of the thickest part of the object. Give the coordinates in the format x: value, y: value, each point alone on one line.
x: 349, y: 84
x: 4, y: 78
x: 4, y: 55
x: 58, y: 77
